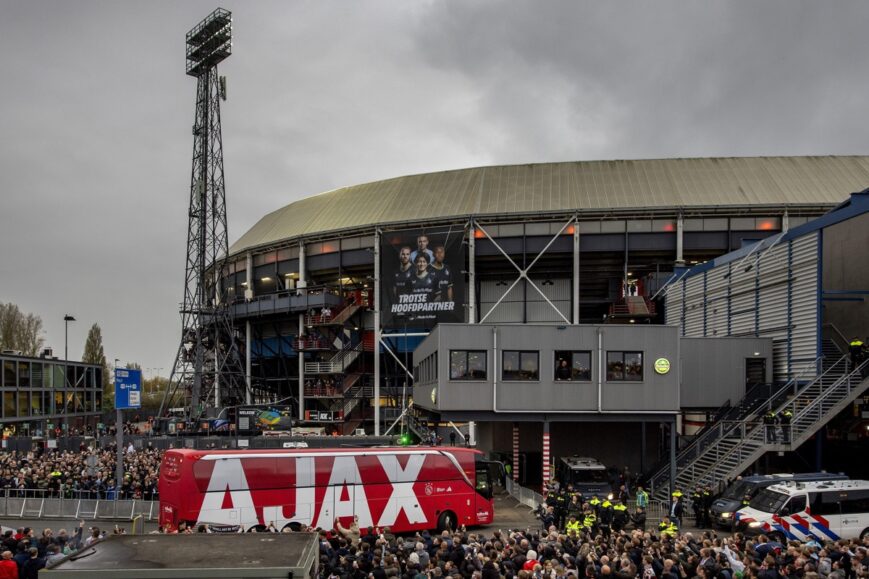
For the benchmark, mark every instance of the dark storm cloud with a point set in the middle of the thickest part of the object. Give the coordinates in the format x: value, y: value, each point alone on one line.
x: 95, y: 115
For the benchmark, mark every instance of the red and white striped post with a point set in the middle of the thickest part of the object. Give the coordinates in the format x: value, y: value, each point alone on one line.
x: 515, y: 452
x: 546, y: 460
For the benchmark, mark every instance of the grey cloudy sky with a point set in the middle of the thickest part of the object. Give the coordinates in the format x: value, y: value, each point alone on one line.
x: 95, y: 116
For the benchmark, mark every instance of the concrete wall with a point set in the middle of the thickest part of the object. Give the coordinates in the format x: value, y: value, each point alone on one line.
x: 713, y: 369
x: 845, y: 270
x: 656, y: 392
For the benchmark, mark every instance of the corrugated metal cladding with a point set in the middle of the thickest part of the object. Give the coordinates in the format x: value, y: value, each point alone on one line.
x: 576, y: 186
x: 534, y: 309
x: 770, y: 294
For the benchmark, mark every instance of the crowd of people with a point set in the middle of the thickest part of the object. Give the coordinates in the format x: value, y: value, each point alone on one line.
x: 596, y: 552
x: 86, y: 474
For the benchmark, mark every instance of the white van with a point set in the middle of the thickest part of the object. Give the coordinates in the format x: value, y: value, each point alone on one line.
x: 826, y: 510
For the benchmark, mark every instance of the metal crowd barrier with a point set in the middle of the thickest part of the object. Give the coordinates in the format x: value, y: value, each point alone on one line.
x: 38, y: 504
x: 524, y: 495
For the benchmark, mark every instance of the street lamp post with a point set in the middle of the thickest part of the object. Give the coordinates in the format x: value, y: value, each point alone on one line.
x: 66, y: 320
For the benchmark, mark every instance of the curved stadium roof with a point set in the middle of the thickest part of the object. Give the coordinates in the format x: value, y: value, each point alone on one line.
x: 584, y: 186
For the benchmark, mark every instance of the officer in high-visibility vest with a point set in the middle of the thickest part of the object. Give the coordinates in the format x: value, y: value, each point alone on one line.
x: 784, y: 418
x: 573, y: 526
x: 606, y: 516
x: 668, y: 527
x: 642, y: 498
x: 590, y: 520
x: 855, y: 348
x: 620, y: 516
x: 594, y: 503
x: 769, y: 421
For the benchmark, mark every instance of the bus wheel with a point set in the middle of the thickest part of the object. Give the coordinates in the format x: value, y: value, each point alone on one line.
x: 864, y: 534
x: 258, y: 529
x: 294, y: 527
x: 447, y: 521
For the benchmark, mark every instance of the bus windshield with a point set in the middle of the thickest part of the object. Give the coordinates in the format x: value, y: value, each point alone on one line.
x: 768, y: 501
x: 589, y: 476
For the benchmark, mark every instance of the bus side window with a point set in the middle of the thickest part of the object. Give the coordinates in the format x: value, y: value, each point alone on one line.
x: 797, y: 504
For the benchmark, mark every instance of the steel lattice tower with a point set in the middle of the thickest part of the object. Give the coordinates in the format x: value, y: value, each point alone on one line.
x: 208, y: 370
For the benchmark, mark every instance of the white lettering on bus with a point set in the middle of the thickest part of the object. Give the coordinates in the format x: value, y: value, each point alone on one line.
x: 344, y: 471
x: 304, y: 497
x: 228, y: 477
x: 402, y: 497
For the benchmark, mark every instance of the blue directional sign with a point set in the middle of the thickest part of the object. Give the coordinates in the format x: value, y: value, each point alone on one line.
x: 128, y: 389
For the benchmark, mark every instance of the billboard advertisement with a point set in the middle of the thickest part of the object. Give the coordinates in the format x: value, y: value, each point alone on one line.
x: 421, y: 277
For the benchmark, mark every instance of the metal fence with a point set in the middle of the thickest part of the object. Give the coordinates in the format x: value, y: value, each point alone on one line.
x: 525, y: 496
x: 38, y: 504
x: 655, y: 511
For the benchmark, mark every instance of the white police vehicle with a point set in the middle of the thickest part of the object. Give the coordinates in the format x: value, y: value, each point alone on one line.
x: 827, y: 510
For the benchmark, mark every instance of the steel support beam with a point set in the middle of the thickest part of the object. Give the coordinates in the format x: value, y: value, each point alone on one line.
x: 377, y: 333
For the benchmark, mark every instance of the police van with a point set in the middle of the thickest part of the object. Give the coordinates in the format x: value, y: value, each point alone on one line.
x: 587, y: 475
x: 827, y: 510
x: 746, y: 488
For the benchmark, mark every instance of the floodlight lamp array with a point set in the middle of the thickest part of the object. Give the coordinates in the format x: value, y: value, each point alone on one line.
x: 209, y: 42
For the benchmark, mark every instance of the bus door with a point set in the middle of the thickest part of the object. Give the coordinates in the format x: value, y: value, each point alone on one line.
x: 484, y: 491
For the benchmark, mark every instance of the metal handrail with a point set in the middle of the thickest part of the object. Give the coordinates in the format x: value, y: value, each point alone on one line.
x: 695, y: 449
x: 757, y: 432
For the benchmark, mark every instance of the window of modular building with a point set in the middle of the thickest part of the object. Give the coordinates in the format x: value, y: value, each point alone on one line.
x: 572, y: 366
x: 624, y: 366
x: 9, y: 374
x: 468, y: 365
x: 518, y: 365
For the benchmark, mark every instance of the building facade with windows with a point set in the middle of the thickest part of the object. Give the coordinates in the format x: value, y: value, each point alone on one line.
x: 41, y: 394
x: 552, y: 243
x: 611, y: 391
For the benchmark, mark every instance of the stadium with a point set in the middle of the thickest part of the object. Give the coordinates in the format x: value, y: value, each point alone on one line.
x: 553, y: 244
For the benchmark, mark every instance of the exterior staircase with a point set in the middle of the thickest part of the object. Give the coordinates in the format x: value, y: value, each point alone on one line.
x: 345, y: 314
x: 337, y: 364
x: 731, y: 447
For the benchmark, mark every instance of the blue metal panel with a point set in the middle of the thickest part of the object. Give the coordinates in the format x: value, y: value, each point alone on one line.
x: 729, y: 300
x: 705, y: 303
x: 819, y: 317
x: 757, y: 298
x: 790, y: 331
x: 273, y: 347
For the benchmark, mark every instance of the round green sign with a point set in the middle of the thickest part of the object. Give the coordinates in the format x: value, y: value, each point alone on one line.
x: 662, y: 365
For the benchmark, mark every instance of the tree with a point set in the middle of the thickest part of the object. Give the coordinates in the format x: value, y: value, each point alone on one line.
x: 94, y: 352
x: 20, y: 331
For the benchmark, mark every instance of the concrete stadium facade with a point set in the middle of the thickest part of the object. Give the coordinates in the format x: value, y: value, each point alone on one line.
x: 556, y: 243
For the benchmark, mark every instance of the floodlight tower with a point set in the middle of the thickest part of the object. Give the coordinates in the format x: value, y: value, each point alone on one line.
x: 208, y: 370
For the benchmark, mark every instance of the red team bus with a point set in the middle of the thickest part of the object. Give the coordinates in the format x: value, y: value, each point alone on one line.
x: 405, y: 489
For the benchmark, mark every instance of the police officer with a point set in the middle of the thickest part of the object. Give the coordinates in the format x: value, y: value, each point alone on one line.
x: 769, y: 421
x: 594, y: 503
x: 707, y: 499
x: 561, y: 507
x: 589, y: 521
x: 620, y: 516
x: 574, y: 525
x: 606, y: 516
x: 855, y: 348
x: 784, y: 419
x: 668, y: 527
x: 574, y: 507
x: 697, y: 506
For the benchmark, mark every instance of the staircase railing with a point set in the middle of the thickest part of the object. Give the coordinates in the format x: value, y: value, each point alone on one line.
x: 724, y: 428
x: 337, y: 363
x: 806, y: 420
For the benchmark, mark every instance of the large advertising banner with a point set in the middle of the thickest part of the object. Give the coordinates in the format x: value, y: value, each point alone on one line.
x: 421, y: 277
